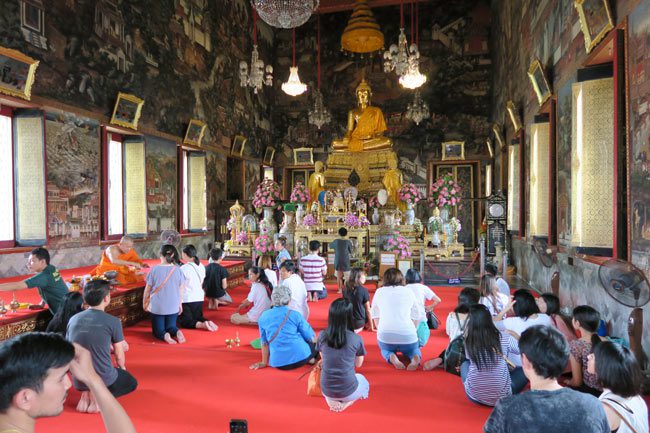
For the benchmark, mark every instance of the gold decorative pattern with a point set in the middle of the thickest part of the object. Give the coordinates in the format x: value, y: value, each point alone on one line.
x: 539, y: 179
x: 514, y: 155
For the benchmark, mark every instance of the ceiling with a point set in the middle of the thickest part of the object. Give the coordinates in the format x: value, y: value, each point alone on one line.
x: 329, y: 6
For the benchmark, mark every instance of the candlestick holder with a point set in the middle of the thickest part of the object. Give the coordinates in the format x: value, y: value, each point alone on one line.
x: 14, y: 305
x: 3, y: 308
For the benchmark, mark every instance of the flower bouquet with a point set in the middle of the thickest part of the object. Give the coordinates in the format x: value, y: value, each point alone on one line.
x: 399, y: 244
x: 242, y: 238
x: 267, y: 194
x: 309, y: 220
x: 409, y: 193
x: 231, y: 223
x: 454, y: 224
x: 373, y: 202
x: 445, y: 192
x: 435, y: 223
x: 264, y: 245
x: 351, y: 220
x: 300, y: 194
x: 363, y: 221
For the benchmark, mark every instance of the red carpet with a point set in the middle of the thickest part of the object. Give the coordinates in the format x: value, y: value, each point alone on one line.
x: 199, y: 386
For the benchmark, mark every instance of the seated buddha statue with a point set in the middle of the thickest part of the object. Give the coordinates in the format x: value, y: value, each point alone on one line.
x: 366, y: 125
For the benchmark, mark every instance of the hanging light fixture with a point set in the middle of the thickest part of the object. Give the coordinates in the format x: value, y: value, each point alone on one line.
x: 396, y: 57
x: 319, y: 115
x: 413, y: 79
x: 285, y: 14
x: 257, y: 77
x: 417, y: 110
x: 293, y: 86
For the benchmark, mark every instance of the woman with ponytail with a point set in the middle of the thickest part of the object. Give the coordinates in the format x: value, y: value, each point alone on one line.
x: 586, y: 320
x: 163, y: 295
x: 193, y: 295
x: 259, y: 297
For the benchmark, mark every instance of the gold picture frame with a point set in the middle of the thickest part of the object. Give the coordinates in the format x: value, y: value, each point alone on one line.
x: 539, y: 81
x: 195, y: 131
x: 269, y: 153
x: 453, y: 150
x: 514, y: 115
x: 238, y: 145
x: 490, y: 149
x: 127, y: 111
x: 595, y: 20
x: 303, y: 156
x: 17, y: 73
x: 496, y: 128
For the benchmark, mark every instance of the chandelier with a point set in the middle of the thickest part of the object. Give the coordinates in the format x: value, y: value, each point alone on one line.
x: 413, y: 78
x: 285, y: 14
x: 293, y: 86
x: 396, y: 57
x: 257, y: 76
x: 417, y: 110
x: 319, y: 115
x: 404, y: 59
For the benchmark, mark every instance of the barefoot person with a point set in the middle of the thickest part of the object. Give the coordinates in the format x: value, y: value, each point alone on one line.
x: 47, y: 280
x: 123, y: 259
x: 33, y: 387
x: 193, y: 295
x: 99, y: 332
x: 163, y: 296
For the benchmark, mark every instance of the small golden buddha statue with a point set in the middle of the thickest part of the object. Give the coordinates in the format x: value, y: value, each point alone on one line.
x: 366, y: 125
x: 316, y: 182
x: 393, y: 182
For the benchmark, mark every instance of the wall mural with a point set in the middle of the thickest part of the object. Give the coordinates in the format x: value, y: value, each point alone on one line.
x: 639, y: 81
x: 563, y: 164
x: 162, y: 182
x: 252, y: 179
x: 72, y: 180
x: 216, y: 186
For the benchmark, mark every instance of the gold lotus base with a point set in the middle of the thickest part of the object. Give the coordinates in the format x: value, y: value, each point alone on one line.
x: 371, y: 166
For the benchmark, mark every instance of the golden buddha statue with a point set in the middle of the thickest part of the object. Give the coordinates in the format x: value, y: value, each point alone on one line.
x: 366, y: 125
x: 393, y: 182
x: 316, y: 182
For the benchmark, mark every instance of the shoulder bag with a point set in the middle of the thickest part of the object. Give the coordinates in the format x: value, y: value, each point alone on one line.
x: 455, y: 352
x: 432, y: 320
x: 146, y: 303
x: 618, y: 412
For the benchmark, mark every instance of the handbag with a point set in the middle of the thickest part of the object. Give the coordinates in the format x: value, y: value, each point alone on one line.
x: 455, y: 351
x: 146, y: 303
x: 432, y: 320
x: 313, y: 381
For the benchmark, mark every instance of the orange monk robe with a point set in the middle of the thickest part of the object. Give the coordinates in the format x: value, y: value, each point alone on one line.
x: 371, y: 124
x: 125, y: 274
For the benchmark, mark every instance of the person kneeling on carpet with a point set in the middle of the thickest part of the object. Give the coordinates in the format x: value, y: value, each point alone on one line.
x: 259, y: 297
x: 193, y: 295
x: 286, y: 337
x: 98, y: 331
x: 395, y: 313
x: 34, y: 382
x: 341, y: 351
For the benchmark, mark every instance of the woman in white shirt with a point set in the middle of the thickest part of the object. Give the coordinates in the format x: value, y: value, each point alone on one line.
x: 395, y: 313
x: 259, y: 297
x: 422, y: 294
x: 267, y: 264
x: 494, y: 300
x: 193, y: 295
x: 618, y: 371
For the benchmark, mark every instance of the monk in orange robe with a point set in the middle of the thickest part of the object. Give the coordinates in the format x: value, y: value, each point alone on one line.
x: 123, y: 259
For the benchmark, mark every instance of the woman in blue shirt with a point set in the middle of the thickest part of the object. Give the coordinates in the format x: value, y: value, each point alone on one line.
x: 287, y: 339
x: 281, y: 248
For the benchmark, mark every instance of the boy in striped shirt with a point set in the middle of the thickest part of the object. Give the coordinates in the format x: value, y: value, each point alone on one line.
x: 314, y: 268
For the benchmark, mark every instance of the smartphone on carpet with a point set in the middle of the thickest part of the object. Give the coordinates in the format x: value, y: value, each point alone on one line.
x: 238, y: 426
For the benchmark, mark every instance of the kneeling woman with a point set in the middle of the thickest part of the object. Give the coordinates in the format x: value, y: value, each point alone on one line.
x: 485, y: 373
x: 287, y: 339
x: 341, y: 351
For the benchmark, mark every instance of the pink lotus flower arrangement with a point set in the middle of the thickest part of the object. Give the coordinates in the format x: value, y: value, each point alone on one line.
x: 267, y: 194
x: 351, y: 220
x: 445, y: 192
x: 264, y: 245
x: 399, y: 244
x: 300, y: 194
x: 410, y: 193
x: 242, y: 238
x: 309, y: 220
x: 373, y: 202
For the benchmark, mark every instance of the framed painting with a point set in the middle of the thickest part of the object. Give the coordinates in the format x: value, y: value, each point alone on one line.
x: 269, y: 153
x: 238, y: 145
x: 539, y: 82
x: 496, y: 128
x: 298, y: 176
x: 514, y: 115
x: 17, y: 72
x: 453, y: 150
x: 303, y: 156
x: 127, y: 111
x: 595, y: 20
x: 194, y: 133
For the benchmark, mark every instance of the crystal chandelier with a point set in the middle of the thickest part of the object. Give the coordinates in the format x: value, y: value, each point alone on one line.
x: 293, y: 86
x: 396, y: 58
x: 257, y: 76
x: 413, y: 78
x: 319, y: 115
x: 417, y: 110
x: 285, y: 14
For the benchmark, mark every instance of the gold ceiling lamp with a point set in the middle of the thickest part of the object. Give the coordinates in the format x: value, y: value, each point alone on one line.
x: 362, y: 35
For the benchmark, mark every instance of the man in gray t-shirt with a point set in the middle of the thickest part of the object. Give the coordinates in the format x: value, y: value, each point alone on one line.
x: 98, y: 331
x: 342, y: 250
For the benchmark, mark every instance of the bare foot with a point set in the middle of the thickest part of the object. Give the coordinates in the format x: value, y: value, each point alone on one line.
x: 338, y: 406
x: 432, y: 364
x: 201, y: 325
x: 84, y: 401
x: 181, y: 338
x: 92, y: 407
x: 168, y: 338
x: 211, y: 326
x: 414, y: 364
x: 396, y: 362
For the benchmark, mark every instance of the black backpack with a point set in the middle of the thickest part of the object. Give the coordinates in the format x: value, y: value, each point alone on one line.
x: 455, y: 352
